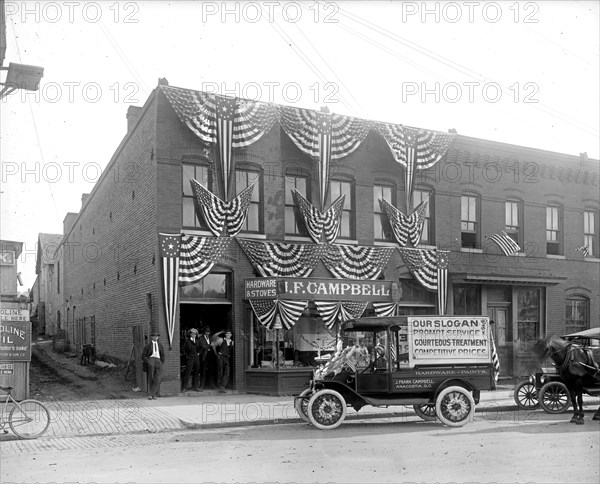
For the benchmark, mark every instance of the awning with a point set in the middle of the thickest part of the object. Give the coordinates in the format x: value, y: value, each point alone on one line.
x: 486, y: 274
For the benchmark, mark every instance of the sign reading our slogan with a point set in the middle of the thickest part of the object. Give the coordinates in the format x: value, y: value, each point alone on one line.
x: 319, y: 289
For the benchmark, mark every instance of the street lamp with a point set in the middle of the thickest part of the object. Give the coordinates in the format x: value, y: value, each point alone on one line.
x: 21, y: 76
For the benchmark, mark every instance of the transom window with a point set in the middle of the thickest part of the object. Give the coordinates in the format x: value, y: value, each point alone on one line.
x: 468, y: 221
x: 243, y: 179
x: 336, y: 189
x: 201, y: 174
x: 381, y: 225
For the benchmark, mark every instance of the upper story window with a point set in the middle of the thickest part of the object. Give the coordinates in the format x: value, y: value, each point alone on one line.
x: 293, y: 221
x: 243, y: 179
x: 336, y: 189
x: 469, y: 225
x: 590, y: 232
x: 199, y: 173
x: 577, y: 317
x: 381, y: 226
x: 553, y: 230
x: 512, y: 220
x: 419, y: 196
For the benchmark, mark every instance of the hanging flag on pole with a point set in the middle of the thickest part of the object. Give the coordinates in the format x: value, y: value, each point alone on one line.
x: 585, y: 249
x: 495, y: 359
x: 169, y: 256
x: 442, y: 280
x: 506, y: 243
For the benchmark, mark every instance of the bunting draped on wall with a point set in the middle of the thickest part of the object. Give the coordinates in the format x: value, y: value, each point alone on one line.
x: 406, y: 228
x: 224, y: 121
x: 320, y: 224
x: 357, y: 262
x: 331, y: 311
x: 430, y: 268
x: 219, y: 214
x: 169, y: 245
x: 415, y: 149
x: 386, y: 308
x: 324, y: 137
x: 198, y: 255
x: 280, y: 259
x: 267, y: 309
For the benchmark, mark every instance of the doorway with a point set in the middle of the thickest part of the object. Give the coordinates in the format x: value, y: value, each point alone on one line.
x: 503, y: 336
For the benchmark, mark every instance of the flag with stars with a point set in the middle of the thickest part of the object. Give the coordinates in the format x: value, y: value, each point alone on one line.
x: 225, y: 111
x: 415, y: 149
x: 506, y: 243
x: 169, y: 256
x: 442, y: 280
x: 584, y: 249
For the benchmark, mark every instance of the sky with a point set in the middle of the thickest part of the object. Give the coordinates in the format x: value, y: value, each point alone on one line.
x: 525, y: 73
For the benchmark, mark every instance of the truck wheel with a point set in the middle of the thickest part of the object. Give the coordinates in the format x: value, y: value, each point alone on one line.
x: 455, y: 406
x: 326, y: 409
x: 301, y: 404
x: 554, y: 397
x: 526, y: 396
x: 425, y: 411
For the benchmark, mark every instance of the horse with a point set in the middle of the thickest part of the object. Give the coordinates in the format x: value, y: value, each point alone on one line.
x: 576, y: 368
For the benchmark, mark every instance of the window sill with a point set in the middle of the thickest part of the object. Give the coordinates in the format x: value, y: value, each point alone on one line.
x: 345, y: 242
x: 252, y: 236
x: 591, y: 259
x: 552, y: 256
x: 471, y: 251
x: 297, y: 238
x: 202, y: 232
x: 385, y: 243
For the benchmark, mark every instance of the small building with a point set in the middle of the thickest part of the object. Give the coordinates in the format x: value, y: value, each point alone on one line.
x: 282, y: 266
x: 46, y: 288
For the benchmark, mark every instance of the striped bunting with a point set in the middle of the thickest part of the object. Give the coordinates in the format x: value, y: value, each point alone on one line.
x: 267, y: 309
x: 506, y: 243
x: 385, y: 309
x: 495, y: 358
x: 317, y: 223
x: 415, y: 149
x: 331, y: 311
x: 279, y: 259
x: 218, y: 213
x: 406, y: 228
x: 357, y: 262
x: 198, y: 255
x: 323, y: 136
x: 442, y: 280
x: 169, y: 245
x: 422, y: 264
x: 225, y: 121
x: 584, y: 249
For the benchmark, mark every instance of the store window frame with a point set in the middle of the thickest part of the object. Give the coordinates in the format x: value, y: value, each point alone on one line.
x: 469, y: 220
x: 419, y: 195
x: 348, y: 223
x: 554, y: 229
x: 188, y: 201
x: 382, y: 230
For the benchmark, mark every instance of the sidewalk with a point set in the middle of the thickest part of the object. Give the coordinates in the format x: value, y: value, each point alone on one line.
x: 206, y: 410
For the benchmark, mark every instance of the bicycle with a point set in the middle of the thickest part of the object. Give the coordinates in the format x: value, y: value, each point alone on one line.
x: 28, y: 419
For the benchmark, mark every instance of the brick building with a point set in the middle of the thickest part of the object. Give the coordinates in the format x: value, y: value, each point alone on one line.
x: 110, y: 272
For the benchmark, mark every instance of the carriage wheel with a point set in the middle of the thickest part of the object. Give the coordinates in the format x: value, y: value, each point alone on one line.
x: 554, y: 397
x: 301, y: 404
x: 455, y: 406
x: 426, y: 411
x: 526, y: 396
x: 326, y: 409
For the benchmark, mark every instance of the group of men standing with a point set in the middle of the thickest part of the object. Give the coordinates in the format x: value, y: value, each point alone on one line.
x: 198, y: 351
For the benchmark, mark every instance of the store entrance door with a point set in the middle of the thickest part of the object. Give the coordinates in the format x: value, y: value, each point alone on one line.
x: 503, y: 336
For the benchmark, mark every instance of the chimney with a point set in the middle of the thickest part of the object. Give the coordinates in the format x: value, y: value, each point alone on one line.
x: 325, y: 109
x: 84, y: 197
x: 584, y: 156
x: 133, y: 114
x: 452, y: 131
x: 68, y: 222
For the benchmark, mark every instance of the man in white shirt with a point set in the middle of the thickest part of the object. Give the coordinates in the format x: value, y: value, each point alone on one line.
x: 154, y: 357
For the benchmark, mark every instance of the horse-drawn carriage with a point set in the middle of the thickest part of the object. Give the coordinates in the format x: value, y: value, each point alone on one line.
x: 547, y: 389
x: 437, y: 364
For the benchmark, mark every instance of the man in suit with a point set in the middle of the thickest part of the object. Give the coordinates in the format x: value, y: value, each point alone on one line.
x: 192, y: 360
x: 204, y: 345
x: 224, y: 347
x: 154, y: 357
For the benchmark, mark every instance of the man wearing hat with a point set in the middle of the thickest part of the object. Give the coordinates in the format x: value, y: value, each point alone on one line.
x: 154, y: 357
x: 192, y: 361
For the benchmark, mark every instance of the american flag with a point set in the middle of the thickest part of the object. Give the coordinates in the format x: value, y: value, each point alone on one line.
x: 357, y: 262
x: 415, y: 149
x: 393, y: 352
x: 169, y: 255
x: 506, y: 243
x: 198, y: 255
x: 495, y: 359
x: 330, y: 311
x: 423, y: 264
x: 225, y: 114
x: 319, y: 223
x: 585, y: 249
x: 267, y: 309
x: 442, y: 280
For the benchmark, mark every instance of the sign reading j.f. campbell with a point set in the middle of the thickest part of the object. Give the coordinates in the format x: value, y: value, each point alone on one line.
x: 319, y: 289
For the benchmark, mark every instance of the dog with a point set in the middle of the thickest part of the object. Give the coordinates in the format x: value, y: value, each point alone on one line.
x: 88, y: 355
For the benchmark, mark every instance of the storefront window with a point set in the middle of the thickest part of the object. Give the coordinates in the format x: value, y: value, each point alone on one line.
x: 466, y: 300
x: 577, y: 316
x: 294, y: 347
x: 528, y: 318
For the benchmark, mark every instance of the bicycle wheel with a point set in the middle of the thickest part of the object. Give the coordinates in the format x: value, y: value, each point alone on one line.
x: 29, y: 419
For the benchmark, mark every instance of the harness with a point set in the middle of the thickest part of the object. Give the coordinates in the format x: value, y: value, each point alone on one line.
x: 569, y: 360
